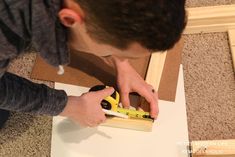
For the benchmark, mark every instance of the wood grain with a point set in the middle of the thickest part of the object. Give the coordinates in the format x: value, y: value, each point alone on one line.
x: 231, y: 35
x: 210, y: 19
x: 214, y: 148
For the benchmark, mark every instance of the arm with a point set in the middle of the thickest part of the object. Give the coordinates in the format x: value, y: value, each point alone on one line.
x: 19, y: 94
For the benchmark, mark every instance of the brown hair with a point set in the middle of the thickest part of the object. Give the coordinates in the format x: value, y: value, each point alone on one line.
x: 155, y: 24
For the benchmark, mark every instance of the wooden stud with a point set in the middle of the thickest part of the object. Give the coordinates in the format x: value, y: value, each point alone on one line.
x: 133, y: 124
x: 231, y: 35
x: 155, y: 69
x: 215, y: 148
x: 210, y: 19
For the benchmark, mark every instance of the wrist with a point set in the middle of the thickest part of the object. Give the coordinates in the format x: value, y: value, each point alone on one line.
x: 66, y: 110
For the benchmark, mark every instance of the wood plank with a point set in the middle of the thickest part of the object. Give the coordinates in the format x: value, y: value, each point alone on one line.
x: 214, y: 148
x: 133, y: 124
x: 231, y: 34
x: 155, y: 69
x: 210, y: 19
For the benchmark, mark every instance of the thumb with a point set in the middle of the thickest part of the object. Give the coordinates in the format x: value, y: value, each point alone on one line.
x: 105, y: 92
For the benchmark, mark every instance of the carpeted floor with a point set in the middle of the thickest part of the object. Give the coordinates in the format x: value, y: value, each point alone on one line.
x: 209, y: 87
x: 26, y: 135
x: 202, y: 3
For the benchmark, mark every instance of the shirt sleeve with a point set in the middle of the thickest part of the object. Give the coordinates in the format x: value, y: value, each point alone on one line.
x: 17, y: 30
x: 20, y: 94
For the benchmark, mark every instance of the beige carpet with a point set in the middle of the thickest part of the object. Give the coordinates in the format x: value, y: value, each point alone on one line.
x: 209, y: 86
x: 201, y: 3
x: 26, y: 135
x: 210, y: 96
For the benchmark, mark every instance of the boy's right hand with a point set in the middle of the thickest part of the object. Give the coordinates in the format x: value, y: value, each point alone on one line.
x: 86, y: 109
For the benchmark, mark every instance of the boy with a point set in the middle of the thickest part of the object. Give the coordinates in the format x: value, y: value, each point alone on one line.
x: 113, y: 30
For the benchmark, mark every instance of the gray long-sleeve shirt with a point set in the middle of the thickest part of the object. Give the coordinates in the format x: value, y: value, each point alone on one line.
x: 24, y: 22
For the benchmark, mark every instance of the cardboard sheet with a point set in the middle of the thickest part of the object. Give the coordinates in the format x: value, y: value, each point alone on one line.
x: 88, y: 70
x: 168, y: 138
x: 84, y: 70
x: 167, y: 87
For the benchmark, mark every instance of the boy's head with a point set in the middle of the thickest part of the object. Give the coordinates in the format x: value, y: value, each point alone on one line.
x: 138, y: 25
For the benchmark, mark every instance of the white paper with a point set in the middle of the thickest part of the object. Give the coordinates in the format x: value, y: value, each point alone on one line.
x: 168, y: 138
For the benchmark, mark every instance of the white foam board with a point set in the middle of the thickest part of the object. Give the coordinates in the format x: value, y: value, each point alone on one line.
x: 168, y: 138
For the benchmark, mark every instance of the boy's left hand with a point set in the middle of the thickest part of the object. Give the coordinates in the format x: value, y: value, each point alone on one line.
x: 130, y: 81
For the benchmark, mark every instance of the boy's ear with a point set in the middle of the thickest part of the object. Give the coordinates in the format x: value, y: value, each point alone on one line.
x: 69, y: 18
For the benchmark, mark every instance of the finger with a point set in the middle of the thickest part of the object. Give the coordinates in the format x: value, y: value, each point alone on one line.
x: 153, y: 103
x: 153, y: 108
x: 125, y: 99
x: 98, y: 122
x: 139, y: 108
x: 102, y: 121
x: 103, y: 118
x: 150, y: 86
x: 93, y: 124
x: 85, y: 124
x: 156, y: 100
x: 105, y: 92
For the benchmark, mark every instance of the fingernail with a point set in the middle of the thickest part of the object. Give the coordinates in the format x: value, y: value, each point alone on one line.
x: 111, y: 88
x: 140, y: 109
x: 154, y: 116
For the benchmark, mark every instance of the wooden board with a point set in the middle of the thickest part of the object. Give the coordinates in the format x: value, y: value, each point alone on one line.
x: 155, y: 69
x: 210, y: 19
x: 133, y: 124
x: 213, y: 148
x: 70, y: 140
x: 231, y: 35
